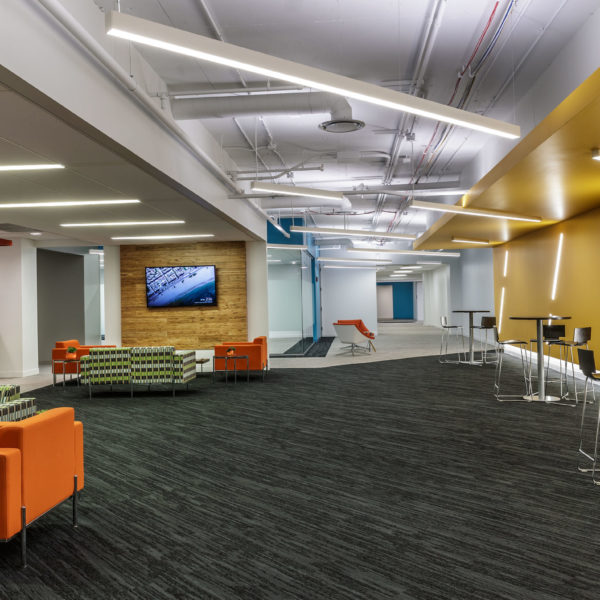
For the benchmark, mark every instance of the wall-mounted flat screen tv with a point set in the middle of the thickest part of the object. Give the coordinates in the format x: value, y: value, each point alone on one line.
x: 181, y: 286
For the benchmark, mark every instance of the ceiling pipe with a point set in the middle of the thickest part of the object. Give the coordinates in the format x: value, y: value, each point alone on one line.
x: 424, y: 56
x: 404, y: 189
x: 60, y: 13
x: 277, y: 104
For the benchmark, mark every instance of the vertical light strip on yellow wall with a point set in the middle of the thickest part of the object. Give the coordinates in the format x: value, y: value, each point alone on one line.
x: 505, y: 264
x: 557, y: 266
x: 501, y: 311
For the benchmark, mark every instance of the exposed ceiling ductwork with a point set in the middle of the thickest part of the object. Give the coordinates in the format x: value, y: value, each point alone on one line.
x: 271, y: 104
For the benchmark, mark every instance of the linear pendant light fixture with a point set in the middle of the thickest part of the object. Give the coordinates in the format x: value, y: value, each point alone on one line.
x: 410, y: 252
x: 352, y: 232
x: 475, y: 212
x: 353, y: 260
x: 294, y: 190
x: 203, y: 48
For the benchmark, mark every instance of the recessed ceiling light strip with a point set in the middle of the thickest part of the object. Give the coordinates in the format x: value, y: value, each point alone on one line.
x: 162, y: 237
x: 203, y: 48
x: 121, y: 223
x: 352, y: 232
x: 64, y: 203
x: 460, y: 240
x: 31, y: 167
x: 475, y: 212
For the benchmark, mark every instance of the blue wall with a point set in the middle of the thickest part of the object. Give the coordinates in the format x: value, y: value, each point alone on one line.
x: 403, y: 299
x: 274, y: 236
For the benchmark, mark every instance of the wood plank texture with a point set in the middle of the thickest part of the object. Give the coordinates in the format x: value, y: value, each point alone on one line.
x: 184, y: 327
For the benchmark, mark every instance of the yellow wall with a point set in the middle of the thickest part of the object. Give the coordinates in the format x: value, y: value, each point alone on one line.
x: 530, y: 274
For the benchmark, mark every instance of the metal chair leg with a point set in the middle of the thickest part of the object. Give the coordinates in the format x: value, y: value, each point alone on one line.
x: 596, y: 481
x: 582, y: 452
x: 75, y: 523
x: 23, y: 537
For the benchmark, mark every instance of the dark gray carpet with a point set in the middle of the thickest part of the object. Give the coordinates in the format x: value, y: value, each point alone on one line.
x: 392, y: 480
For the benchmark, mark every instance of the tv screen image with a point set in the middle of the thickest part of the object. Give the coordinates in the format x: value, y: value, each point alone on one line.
x: 181, y: 286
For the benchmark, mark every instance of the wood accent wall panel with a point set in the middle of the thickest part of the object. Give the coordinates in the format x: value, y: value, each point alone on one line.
x: 184, y: 327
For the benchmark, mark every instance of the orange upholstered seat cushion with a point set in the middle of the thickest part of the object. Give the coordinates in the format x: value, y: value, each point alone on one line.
x: 39, y: 458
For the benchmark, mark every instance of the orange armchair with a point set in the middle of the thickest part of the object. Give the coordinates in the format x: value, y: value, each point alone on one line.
x: 41, y: 466
x: 256, y: 351
x: 59, y: 352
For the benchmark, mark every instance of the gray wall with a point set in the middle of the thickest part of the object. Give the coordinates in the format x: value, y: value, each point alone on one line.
x: 60, y: 295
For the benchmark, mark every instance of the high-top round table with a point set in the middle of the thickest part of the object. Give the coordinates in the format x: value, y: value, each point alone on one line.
x: 541, y: 393
x: 471, y: 360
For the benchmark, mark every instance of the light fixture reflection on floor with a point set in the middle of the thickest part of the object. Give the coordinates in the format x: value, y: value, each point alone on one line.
x: 153, y: 34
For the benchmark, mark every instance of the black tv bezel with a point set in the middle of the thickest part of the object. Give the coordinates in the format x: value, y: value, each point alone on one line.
x: 215, y: 303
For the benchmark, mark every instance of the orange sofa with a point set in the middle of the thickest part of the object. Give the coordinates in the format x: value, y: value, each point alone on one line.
x: 256, y: 351
x: 41, y: 465
x: 59, y: 352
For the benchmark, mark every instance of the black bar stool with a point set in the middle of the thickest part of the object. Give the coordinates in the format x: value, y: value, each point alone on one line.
x: 500, y: 344
x: 457, y: 330
x: 581, y: 337
x: 487, y: 324
x: 587, y: 365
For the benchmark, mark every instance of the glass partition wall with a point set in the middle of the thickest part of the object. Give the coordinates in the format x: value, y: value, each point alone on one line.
x: 291, y: 302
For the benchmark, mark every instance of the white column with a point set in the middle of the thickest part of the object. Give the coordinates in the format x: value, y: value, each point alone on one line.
x: 91, y: 298
x: 112, y: 295
x: 257, y: 289
x: 18, y: 310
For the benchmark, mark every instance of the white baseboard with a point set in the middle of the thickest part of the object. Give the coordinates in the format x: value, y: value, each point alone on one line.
x: 19, y: 374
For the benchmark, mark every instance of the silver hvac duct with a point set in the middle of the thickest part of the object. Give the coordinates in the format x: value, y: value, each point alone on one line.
x: 271, y: 104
